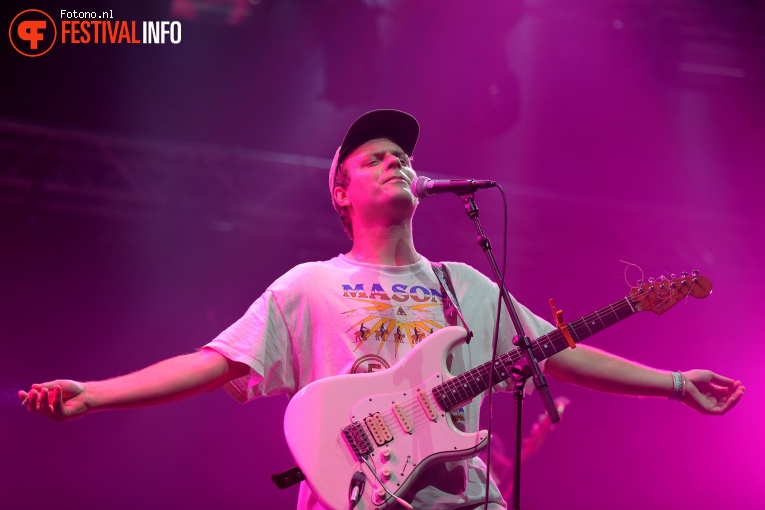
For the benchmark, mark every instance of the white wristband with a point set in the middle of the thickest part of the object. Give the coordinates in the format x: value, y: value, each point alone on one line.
x: 678, y: 386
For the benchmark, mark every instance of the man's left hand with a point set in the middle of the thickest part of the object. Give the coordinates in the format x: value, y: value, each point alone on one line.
x: 709, y: 393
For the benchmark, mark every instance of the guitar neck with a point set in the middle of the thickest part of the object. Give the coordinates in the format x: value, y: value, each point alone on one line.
x: 463, y: 388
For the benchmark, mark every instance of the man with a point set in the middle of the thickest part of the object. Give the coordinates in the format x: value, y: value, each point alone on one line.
x: 306, y: 325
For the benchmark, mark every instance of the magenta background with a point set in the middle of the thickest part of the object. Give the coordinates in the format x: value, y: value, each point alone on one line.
x: 608, y: 147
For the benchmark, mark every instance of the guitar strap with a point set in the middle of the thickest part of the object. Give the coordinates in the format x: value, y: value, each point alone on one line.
x: 451, y: 305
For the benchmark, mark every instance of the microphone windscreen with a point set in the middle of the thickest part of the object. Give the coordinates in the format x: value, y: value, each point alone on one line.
x: 419, y: 187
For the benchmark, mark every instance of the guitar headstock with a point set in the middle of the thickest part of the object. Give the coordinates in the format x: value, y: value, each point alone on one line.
x: 660, y: 294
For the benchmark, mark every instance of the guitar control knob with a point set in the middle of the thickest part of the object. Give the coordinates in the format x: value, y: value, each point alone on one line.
x: 385, y: 474
x: 385, y: 454
x: 379, y: 497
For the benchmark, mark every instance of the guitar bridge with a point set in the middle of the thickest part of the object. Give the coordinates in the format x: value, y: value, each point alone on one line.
x: 358, y: 440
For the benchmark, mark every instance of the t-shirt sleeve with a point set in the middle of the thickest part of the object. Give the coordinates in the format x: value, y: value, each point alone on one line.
x: 260, y: 339
x: 480, y: 294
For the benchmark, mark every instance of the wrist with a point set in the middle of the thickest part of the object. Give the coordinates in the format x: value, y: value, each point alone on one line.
x: 679, y: 385
x: 90, y: 396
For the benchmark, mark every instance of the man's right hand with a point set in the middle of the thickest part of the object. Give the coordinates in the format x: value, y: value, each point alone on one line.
x: 164, y: 382
x: 59, y: 400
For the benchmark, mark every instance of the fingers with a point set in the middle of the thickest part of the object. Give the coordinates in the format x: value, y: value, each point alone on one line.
x: 716, y: 400
x: 722, y: 381
x: 42, y: 400
x: 57, y: 401
x: 708, y: 381
x: 49, y: 385
x: 31, y: 400
x: 43, y: 406
x: 731, y: 402
x: 736, y: 396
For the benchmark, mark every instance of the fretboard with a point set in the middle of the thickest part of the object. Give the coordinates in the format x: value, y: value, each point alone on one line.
x: 472, y: 383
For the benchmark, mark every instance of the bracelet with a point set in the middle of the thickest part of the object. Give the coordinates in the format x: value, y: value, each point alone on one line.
x: 678, y: 386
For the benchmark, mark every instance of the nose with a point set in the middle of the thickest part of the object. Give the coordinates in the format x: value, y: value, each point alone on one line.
x: 393, y: 162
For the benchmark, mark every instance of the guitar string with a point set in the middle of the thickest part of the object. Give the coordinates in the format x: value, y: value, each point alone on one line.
x: 465, y: 387
x: 462, y: 386
x: 414, y: 408
x: 459, y: 384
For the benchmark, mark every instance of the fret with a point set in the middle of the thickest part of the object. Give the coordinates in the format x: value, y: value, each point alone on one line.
x: 547, y: 346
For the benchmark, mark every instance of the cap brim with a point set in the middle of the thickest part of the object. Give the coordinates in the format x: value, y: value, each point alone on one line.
x: 397, y: 126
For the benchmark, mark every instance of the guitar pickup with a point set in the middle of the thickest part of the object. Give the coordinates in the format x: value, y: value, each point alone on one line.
x: 402, y: 418
x: 427, y: 406
x: 379, y: 429
x: 358, y: 440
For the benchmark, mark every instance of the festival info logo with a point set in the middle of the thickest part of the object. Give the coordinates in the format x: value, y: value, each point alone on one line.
x: 32, y: 33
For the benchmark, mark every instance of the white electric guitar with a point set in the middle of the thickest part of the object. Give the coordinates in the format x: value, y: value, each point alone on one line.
x: 374, y: 433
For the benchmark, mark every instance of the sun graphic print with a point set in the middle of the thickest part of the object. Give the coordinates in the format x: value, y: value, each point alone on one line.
x: 399, y: 323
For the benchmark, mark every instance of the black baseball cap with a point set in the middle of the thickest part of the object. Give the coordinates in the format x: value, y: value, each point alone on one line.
x: 395, y: 125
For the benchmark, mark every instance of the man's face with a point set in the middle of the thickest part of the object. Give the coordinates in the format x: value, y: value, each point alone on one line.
x: 380, y: 178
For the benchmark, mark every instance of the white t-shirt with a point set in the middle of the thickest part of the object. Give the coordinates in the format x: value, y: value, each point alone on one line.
x: 340, y: 316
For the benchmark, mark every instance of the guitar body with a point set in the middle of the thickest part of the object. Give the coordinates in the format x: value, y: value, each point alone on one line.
x: 387, y: 427
x: 317, y: 414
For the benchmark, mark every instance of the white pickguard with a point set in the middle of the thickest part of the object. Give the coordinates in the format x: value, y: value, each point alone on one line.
x: 317, y: 414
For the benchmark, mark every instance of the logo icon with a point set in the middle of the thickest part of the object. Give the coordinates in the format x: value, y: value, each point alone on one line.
x: 32, y: 33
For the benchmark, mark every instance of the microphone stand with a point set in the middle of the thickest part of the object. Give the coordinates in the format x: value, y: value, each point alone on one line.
x: 522, y: 341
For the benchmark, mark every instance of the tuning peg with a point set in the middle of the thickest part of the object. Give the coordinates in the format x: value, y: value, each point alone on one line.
x: 695, y: 272
x: 651, y: 280
x: 672, y: 276
x: 684, y: 274
x: 640, y: 282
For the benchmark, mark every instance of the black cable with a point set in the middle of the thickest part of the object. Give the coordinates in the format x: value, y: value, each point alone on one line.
x: 501, y: 284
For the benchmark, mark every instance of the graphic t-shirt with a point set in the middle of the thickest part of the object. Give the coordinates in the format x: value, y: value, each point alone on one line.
x: 341, y: 316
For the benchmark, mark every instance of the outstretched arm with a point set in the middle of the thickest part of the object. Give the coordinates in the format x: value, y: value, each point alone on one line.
x: 592, y: 368
x: 167, y: 381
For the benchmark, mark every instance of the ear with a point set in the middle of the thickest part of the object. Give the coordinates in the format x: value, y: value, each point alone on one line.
x: 340, y: 196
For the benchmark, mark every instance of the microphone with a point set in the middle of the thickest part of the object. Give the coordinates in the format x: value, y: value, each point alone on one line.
x: 423, y: 187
